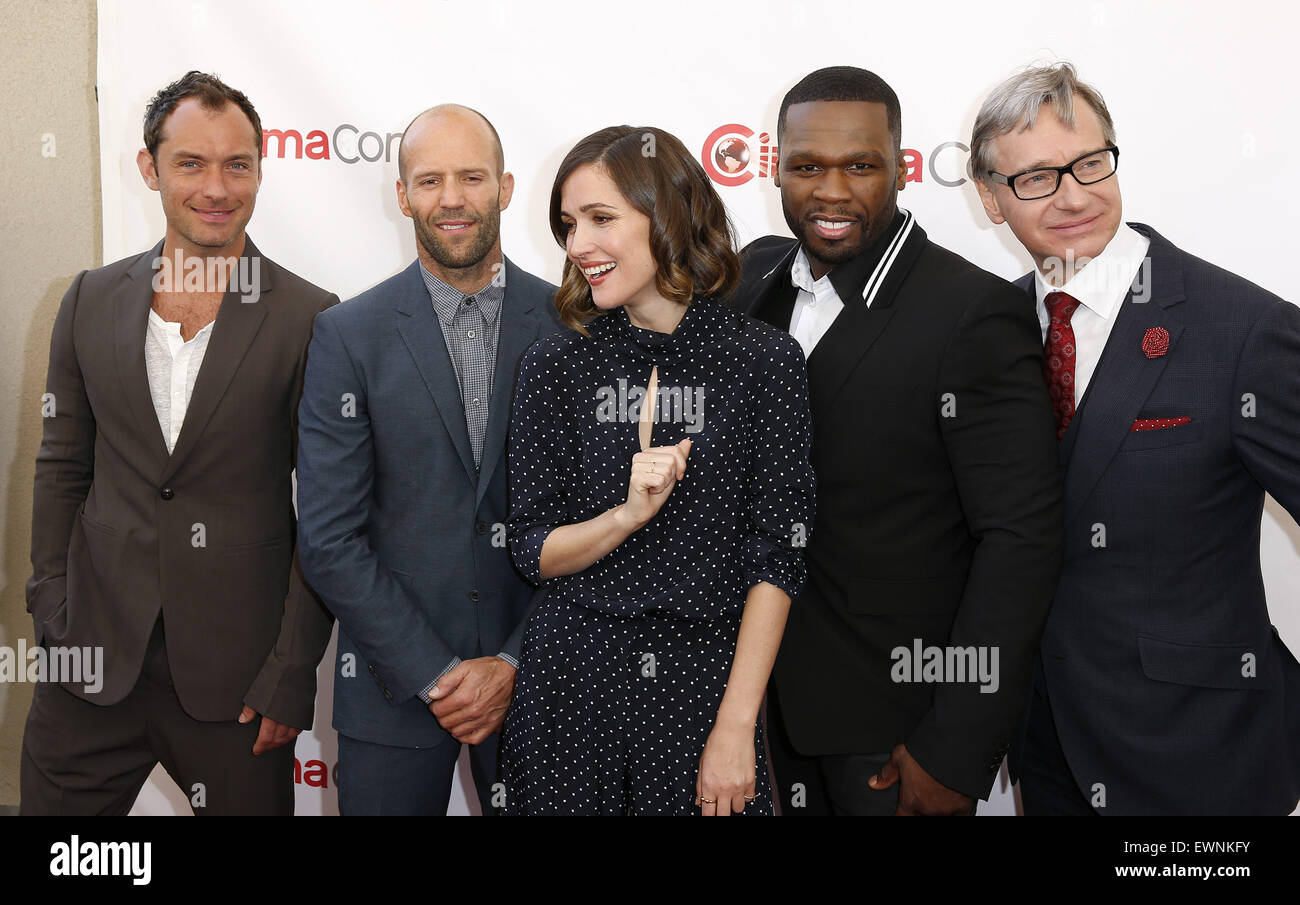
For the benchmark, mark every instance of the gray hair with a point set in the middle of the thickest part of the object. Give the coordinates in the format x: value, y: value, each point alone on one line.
x: 1014, y: 106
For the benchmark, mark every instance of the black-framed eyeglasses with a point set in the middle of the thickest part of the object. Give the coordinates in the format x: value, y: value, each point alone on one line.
x: 1031, y: 185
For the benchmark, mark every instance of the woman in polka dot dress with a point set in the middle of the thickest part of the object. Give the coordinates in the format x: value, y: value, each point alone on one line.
x: 671, y: 544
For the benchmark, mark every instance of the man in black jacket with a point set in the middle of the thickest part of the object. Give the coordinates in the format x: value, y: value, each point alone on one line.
x: 938, y: 537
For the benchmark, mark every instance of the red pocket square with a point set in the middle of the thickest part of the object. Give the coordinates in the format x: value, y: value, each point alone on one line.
x: 1155, y: 424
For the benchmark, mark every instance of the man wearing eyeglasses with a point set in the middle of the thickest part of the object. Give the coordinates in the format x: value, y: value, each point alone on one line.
x: 1161, y: 686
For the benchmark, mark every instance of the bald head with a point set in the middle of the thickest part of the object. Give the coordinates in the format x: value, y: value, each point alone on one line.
x: 455, y: 125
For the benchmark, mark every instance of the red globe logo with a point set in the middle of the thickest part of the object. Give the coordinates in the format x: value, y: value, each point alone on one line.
x: 726, y: 154
x: 731, y: 155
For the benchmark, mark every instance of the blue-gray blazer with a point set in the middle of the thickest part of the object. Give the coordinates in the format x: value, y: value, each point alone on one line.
x: 398, y: 532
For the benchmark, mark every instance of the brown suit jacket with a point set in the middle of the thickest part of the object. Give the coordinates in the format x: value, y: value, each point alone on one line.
x: 122, y: 531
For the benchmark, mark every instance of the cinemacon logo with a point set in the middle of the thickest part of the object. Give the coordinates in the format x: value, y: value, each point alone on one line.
x: 346, y: 143
x: 734, y: 154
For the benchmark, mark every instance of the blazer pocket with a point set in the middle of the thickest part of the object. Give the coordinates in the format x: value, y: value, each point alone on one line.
x: 97, y: 526
x: 258, y: 545
x: 1203, y: 665
x: 405, y: 580
x: 55, y: 625
x: 1160, y: 438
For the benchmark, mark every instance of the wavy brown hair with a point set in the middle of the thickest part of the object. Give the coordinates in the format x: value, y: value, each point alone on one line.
x: 691, y: 238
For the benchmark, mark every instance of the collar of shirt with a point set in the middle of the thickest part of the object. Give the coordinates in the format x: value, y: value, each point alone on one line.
x: 702, y: 316
x: 801, y: 276
x: 848, y: 278
x: 171, y: 331
x: 1105, y: 281
x: 446, y: 299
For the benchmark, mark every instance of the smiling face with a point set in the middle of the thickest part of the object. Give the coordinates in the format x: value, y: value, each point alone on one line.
x: 839, y: 177
x: 608, y: 240
x: 1078, y: 221
x: 453, y: 193
x: 206, y: 169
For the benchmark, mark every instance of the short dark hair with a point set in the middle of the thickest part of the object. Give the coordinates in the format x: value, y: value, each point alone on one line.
x: 691, y: 236
x: 212, y: 93
x: 844, y: 83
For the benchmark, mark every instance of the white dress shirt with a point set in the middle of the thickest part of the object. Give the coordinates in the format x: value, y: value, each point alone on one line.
x: 816, y: 307
x: 173, y: 364
x: 1100, y: 287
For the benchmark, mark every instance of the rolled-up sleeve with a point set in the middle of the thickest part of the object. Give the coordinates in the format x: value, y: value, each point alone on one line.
x: 543, y: 456
x: 780, y: 485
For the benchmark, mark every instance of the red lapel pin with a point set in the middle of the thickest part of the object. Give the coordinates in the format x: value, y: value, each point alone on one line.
x: 1155, y: 342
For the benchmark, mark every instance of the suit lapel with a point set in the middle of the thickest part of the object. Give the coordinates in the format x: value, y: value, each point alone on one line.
x: 1124, y: 377
x: 858, y: 326
x: 130, y: 323
x: 519, y: 326
x: 417, y: 323
x: 236, y: 325
x: 773, y: 300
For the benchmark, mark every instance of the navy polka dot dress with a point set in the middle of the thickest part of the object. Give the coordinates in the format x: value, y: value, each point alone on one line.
x: 624, y: 664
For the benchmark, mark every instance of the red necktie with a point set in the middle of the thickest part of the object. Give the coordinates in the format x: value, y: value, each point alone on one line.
x: 1058, y: 358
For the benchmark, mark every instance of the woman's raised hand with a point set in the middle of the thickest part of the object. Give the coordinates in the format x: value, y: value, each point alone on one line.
x: 655, y: 472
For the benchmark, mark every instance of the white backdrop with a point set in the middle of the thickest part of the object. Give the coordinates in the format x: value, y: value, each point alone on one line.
x: 1202, y: 94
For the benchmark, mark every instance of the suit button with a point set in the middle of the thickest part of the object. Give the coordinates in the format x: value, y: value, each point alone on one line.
x: 473, y: 595
x: 480, y: 527
x: 166, y: 493
x: 372, y: 670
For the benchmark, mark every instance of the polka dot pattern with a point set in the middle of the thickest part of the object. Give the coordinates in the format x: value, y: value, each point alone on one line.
x: 611, y: 713
x: 589, y: 730
x: 1152, y: 424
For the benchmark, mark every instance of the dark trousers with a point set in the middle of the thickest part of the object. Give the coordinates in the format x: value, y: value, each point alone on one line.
x: 832, y: 784
x: 1047, y: 786
x: 81, y: 758
x: 381, y: 780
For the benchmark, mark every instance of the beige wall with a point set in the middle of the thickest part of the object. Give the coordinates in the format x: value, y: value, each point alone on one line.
x: 49, y: 230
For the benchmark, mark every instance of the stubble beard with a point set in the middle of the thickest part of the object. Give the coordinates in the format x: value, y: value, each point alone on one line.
x: 489, y: 228
x: 839, y: 253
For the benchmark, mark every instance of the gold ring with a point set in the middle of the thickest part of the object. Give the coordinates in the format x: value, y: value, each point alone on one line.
x: 652, y: 468
x: 750, y: 797
x: 707, y: 800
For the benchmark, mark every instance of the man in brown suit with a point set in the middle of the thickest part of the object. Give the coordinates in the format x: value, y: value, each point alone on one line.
x: 163, y: 530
